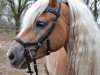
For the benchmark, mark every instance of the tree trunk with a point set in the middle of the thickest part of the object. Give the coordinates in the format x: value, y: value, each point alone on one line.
x: 95, y: 11
x: 17, y: 24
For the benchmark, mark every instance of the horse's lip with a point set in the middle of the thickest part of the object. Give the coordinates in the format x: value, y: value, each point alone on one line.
x: 14, y: 64
x: 23, y: 66
x: 19, y: 66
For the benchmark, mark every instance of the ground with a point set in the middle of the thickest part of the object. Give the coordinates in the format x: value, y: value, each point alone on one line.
x: 5, y: 67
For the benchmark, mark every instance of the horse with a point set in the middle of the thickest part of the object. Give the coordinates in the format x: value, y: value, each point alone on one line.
x: 49, y: 25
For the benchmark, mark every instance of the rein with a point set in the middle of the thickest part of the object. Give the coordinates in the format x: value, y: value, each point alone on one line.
x: 27, y: 53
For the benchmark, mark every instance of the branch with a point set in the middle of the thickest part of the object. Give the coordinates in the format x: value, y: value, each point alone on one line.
x: 12, y: 5
x: 24, y: 5
x: 19, y: 5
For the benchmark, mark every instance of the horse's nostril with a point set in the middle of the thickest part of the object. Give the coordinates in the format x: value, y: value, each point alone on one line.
x: 11, y: 56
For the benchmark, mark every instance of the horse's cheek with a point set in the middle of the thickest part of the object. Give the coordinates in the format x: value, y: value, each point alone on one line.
x: 58, y: 40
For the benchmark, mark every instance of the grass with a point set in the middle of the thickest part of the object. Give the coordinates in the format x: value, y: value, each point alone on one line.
x: 1, y: 30
x: 8, y: 32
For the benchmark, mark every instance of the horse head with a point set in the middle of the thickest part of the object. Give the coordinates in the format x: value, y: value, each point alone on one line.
x: 44, y: 27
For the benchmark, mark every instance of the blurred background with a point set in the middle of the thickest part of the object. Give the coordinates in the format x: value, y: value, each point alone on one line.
x: 11, y: 13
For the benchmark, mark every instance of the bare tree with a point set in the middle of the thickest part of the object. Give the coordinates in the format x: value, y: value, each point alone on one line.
x: 93, y: 5
x: 95, y: 9
x: 17, y: 7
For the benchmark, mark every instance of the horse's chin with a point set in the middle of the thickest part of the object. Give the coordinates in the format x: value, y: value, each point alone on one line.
x: 23, y: 66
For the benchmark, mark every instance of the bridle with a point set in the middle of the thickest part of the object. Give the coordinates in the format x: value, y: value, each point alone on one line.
x: 38, y: 44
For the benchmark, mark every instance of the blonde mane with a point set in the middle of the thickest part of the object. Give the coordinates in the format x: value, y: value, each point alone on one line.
x: 84, y: 40
x: 35, y: 10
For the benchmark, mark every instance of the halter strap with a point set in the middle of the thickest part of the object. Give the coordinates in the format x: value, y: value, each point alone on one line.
x: 52, y: 11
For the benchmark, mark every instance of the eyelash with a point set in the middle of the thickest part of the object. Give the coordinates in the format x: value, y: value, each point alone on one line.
x: 41, y: 24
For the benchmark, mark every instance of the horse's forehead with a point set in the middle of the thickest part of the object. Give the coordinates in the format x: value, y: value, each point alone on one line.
x: 46, y: 17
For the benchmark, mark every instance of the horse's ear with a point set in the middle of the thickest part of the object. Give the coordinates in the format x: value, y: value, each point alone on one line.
x: 53, y: 3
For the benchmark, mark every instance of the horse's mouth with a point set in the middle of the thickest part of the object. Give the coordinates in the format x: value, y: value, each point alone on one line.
x: 22, y: 65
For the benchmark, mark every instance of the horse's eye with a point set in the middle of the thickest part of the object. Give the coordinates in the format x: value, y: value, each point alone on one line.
x: 41, y: 24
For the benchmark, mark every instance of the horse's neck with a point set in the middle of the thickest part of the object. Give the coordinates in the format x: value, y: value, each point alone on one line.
x: 66, y: 20
x: 57, y: 63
